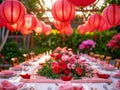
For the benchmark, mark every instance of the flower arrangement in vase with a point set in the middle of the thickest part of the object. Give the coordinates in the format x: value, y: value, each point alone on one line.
x: 66, y: 66
x: 87, y: 45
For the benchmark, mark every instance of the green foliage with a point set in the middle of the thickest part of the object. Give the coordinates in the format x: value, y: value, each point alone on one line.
x: 47, y: 71
x: 44, y: 43
x: 11, y: 50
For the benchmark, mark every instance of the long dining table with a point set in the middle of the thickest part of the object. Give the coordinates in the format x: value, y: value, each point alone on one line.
x: 37, y: 82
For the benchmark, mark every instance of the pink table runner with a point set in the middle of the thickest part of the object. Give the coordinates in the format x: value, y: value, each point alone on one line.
x: 40, y: 79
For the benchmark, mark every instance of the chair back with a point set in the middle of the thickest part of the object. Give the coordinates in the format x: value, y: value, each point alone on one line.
x: 107, y: 59
x: 32, y: 55
x: 15, y: 61
x: 26, y: 56
x: 117, y: 63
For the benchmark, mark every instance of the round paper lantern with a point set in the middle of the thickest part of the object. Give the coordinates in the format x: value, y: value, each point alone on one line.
x: 39, y: 27
x: 82, y: 29
x: 30, y: 22
x: 67, y: 30
x: 96, y: 21
x: 47, y: 29
x: 63, y: 11
x: 25, y: 31
x: 112, y: 14
x: 59, y: 25
x: 16, y: 26
x: 12, y: 11
x: 90, y: 29
x: 81, y: 2
x: 2, y: 23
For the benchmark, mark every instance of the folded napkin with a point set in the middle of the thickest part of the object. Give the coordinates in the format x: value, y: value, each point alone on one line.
x: 25, y: 76
x: 102, y: 62
x: 17, y: 67
x: 69, y: 86
x: 93, y: 59
x: 100, y: 75
x: 6, y: 85
x: 109, y: 67
x: 7, y: 72
x: 118, y: 84
x: 117, y: 74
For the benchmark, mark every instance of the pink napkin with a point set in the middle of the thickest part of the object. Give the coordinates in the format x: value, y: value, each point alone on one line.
x: 93, y: 59
x: 109, y: 67
x: 69, y: 86
x: 118, y: 84
x: 117, y: 74
x: 102, y: 62
x: 6, y: 85
x: 7, y: 72
x: 17, y: 67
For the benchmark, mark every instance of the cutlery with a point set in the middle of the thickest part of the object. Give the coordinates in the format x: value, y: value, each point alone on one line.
x: 49, y: 88
x: 105, y: 87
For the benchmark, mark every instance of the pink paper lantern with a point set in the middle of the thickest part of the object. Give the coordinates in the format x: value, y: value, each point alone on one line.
x: 63, y: 11
x: 16, y: 26
x: 112, y: 14
x: 39, y: 27
x: 82, y: 29
x: 47, y: 29
x: 90, y: 29
x: 96, y: 21
x: 81, y: 2
x: 59, y: 25
x: 25, y: 31
x: 2, y: 23
x: 67, y: 30
x: 12, y: 11
x: 30, y: 22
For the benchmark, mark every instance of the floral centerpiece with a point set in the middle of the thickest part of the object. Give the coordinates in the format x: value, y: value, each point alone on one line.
x: 87, y: 45
x: 114, y: 43
x: 66, y: 65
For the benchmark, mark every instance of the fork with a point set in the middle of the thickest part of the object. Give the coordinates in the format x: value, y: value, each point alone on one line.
x: 49, y: 88
x: 105, y: 87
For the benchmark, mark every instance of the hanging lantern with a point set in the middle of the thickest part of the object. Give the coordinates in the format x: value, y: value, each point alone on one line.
x: 30, y: 22
x: 25, y: 31
x: 67, y: 30
x: 63, y: 11
x: 81, y: 2
x: 16, y: 26
x: 2, y: 23
x: 59, y: 25
x: 90, y: 29
x: 82, y: 29
x: 96, y: 21
x: 111, y: 14
x: 39, y: 27
x: 12, y: 11
x: 47, y: 30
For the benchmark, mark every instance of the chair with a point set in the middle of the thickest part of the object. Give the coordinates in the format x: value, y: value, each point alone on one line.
x: 96, y: 56
x: 32, y: 55
x: 102, y: 57
x: 117, y: 63
x: 15, y: 61
x: 26, y: 56
x: 91, y: 54
x: 107, y: 59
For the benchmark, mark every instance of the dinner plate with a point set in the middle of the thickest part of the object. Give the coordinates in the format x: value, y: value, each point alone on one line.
x: 7, y: 75
x: 116, y: 76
